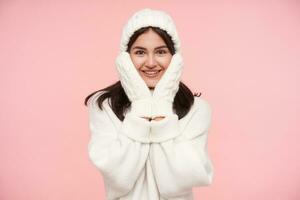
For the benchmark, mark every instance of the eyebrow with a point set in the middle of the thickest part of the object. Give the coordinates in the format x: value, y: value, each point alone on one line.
x: 139, y: 47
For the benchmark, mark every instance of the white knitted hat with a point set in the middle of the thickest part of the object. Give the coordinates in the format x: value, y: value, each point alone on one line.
x: 149, y: 17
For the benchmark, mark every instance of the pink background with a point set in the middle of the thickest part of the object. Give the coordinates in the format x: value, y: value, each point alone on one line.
x: 243, y: 57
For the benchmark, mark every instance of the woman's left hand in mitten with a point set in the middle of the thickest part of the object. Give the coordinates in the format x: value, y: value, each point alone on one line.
x: 167, y: 87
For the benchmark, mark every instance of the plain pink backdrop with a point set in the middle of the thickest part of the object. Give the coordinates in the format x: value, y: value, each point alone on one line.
x: 243, y: 56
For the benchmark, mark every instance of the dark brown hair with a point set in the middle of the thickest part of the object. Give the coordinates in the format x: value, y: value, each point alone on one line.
x: 119, y: 102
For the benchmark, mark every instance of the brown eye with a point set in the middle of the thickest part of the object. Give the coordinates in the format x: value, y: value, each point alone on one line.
x: 139, y: 52
x: 161, y: 51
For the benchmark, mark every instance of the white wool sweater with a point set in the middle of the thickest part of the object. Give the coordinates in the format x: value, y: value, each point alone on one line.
x: 150, y: 160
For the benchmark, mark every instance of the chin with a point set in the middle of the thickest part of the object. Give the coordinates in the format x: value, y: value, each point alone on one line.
x: 151, y: 84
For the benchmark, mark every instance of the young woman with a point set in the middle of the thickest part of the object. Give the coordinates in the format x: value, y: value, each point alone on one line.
x: 148, y: 130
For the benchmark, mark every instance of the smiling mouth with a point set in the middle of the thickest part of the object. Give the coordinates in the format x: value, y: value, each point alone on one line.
x: 151, y: 73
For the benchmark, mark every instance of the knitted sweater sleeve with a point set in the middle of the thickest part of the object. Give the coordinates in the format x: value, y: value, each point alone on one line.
x: 182, y: 162
x: 119, y: 157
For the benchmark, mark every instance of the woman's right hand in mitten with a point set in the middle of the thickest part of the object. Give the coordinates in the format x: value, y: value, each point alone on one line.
x: 135, y: 87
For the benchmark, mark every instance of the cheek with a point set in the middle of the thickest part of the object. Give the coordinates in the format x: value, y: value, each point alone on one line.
x: 137, y: 61
x: 164, y: 61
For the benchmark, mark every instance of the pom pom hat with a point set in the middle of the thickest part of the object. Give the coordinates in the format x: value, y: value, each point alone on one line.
x: 149, y: 17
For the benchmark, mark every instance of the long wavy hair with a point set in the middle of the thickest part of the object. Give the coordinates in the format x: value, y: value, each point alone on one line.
x: 119, y: 102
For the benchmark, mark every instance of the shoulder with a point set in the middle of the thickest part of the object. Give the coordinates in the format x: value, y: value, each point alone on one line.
x: 93, y: 100
x: 200, y: 110
x: 201, y: 105
x: 93, y: 105
x: 198, y: 120
x: 105, y: 111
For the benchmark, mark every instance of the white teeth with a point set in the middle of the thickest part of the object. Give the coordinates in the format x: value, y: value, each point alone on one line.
x: 151, y: 72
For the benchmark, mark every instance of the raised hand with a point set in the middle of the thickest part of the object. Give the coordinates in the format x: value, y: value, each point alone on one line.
x: 134, y: 86
x: 167, y: 87
x: 143, y: 103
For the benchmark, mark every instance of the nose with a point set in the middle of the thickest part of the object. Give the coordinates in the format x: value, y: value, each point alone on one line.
x: 151, y: 61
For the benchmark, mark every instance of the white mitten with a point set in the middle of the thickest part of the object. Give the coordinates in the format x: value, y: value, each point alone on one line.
x: 134, y: 86
x: 167, y: 87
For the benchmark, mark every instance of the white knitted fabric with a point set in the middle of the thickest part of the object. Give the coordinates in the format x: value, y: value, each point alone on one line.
x: 143, y: 102
x: 151, y: 160
x: 149, y: 17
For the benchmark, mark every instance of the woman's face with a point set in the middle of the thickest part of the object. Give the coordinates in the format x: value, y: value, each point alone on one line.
x: 151, y: 57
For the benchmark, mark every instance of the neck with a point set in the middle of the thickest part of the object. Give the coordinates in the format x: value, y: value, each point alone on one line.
x: 151, y: 90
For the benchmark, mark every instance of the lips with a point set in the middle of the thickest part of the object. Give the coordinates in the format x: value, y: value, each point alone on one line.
x: 151, y: 73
